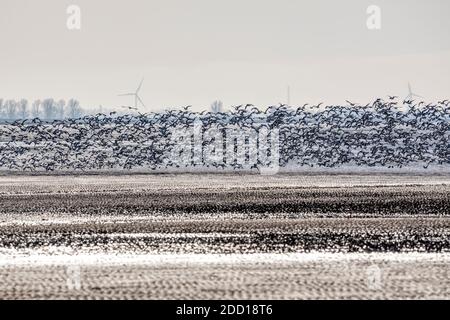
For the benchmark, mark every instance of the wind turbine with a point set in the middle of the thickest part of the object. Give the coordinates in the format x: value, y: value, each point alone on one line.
x: 411, y: 95
x: 136, y: 96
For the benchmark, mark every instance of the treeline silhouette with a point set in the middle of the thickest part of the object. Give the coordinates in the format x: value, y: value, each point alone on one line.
x: 48, y: 109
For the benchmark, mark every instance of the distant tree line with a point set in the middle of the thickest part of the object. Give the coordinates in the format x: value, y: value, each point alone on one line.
x: 48, y: 109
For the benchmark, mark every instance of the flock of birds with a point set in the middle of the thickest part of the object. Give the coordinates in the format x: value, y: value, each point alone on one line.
x: 384, y: 133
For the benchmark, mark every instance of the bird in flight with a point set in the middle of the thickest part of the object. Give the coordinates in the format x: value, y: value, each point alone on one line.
x: 130, y: 108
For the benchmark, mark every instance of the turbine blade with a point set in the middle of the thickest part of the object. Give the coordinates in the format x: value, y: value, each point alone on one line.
x: 140, y: 100
x: 126, y: 94
x: 140, y: 85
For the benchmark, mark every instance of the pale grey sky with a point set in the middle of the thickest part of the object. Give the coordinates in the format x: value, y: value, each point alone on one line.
x: 192, y: 52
